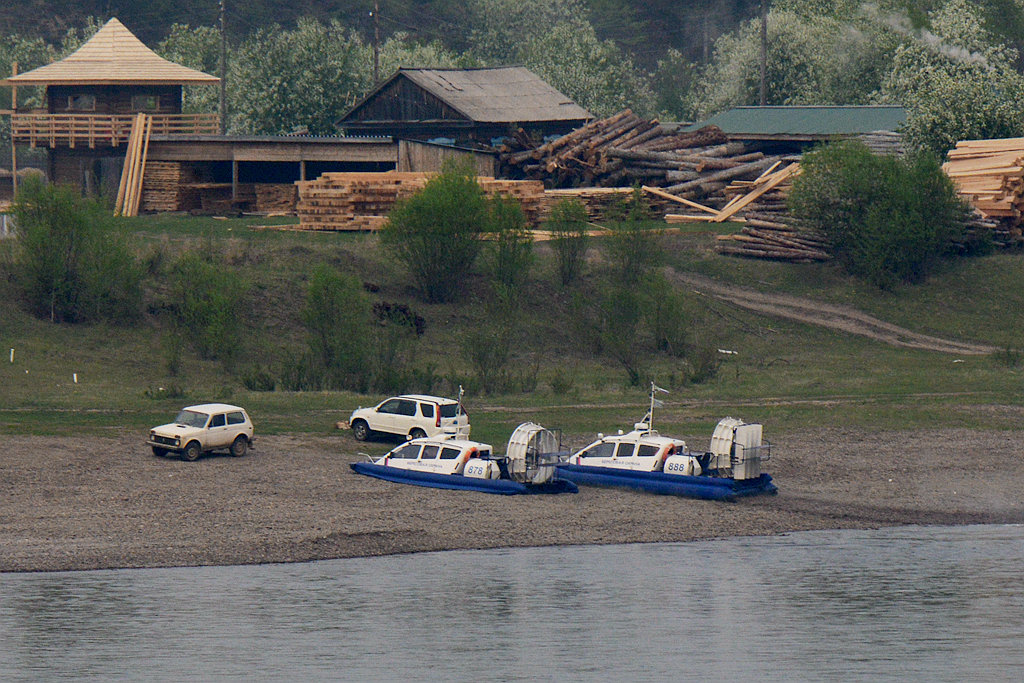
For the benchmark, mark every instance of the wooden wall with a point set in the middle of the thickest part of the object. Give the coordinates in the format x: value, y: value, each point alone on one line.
x: 424, y: 157
x: 114, y: 99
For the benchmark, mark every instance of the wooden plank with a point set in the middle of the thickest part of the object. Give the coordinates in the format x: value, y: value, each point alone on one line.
x: 671, y: 197
x: 774, y: 180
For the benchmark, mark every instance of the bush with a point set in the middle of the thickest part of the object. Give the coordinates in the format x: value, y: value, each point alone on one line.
x: 436, y: 233
x: 205, y: 306
x: 73, y: 263
x: 510, y: 255
x: 568, y: 223
x: 888, y: 220
x: 337, y: 318
x: 632, y: 250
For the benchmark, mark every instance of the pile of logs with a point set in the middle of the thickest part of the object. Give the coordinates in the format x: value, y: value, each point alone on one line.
x: 601, y: 203
x: 625, y: 149
x: 769, y: 231
x: 362, y: 201
x: 776, y: 236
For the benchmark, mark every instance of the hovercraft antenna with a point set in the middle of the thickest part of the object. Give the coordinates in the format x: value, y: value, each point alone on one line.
x: 655, y: 403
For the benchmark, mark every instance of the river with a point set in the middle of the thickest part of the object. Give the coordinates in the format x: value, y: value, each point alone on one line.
x: 917, y: 603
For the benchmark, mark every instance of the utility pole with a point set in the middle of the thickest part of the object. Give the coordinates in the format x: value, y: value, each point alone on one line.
x: 376, y: 43
x: 764, y: 51
x: 223, y: 74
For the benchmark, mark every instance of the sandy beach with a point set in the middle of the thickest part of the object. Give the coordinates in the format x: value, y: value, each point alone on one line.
x: 92, y: 503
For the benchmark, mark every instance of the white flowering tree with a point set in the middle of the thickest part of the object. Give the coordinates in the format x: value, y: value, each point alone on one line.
x: 595, y: 73
x: 957, y: 82
x: 197, y: 48
x: 811, y: 59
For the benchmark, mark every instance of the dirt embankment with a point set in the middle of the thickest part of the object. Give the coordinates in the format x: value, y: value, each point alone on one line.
x: 97, y: 502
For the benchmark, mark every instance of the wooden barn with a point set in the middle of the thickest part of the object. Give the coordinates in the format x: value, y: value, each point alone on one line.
x: 463, y: 106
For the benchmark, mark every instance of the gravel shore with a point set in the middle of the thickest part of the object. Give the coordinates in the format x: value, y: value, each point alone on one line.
x: 91, y: 503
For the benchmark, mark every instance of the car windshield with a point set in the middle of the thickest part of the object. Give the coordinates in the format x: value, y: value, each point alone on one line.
x: 190, y: 418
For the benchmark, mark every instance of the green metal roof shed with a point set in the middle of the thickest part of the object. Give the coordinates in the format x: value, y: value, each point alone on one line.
x: 806, y: 123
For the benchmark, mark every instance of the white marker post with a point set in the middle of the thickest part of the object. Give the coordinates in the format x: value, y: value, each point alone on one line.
x: 12, y: 355
x: 74, y: 376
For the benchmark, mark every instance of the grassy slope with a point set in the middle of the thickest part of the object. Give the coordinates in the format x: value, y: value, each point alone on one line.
x: 784, y: 374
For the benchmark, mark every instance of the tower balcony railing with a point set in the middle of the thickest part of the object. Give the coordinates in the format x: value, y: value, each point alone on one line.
x: 102, y: 130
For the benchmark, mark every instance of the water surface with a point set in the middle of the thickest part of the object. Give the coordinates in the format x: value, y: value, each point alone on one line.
x: 919, y: 603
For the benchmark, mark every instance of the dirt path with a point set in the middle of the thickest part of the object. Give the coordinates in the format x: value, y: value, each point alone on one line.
x: 842, y: 318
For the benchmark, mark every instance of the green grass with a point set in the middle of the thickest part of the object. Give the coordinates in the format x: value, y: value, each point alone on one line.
x: 787, y: 375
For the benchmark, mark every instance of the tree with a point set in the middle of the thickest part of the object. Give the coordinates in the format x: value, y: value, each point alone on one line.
x: 888, y: 220
x: 436, y: 233
x: 197, y: 48
x: 958, y: 83
x: 812, y: 59
x: 309, y: 76
x: 595, y: 73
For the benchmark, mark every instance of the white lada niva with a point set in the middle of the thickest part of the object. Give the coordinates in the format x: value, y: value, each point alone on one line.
x: 204, y: 428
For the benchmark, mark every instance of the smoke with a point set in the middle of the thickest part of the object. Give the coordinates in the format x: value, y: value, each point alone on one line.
x: 901, y: 24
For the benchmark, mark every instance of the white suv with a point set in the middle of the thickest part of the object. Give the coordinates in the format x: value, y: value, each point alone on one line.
x: 203, y: 428
x: 412, y: 415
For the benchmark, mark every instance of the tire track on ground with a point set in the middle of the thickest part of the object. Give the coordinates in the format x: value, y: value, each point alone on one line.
x: 836, y: 317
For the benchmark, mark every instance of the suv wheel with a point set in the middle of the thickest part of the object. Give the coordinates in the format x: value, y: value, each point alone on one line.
x: 192, y: 451
x: 417, y: 434
x: 360, y: 430
x: 239, y: 446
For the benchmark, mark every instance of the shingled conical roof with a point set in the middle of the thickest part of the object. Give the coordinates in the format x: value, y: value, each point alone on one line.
x: 114, y: 56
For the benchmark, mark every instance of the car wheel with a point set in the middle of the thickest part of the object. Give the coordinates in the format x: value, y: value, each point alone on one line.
x: 159, y: 452
x: 360, y: 430
x: 417, y: 434
x: 239, y: 446
x: 192, y: 451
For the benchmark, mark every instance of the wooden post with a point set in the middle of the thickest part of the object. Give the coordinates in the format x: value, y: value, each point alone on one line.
x: 234, y: 179
x: 14, y: 150
x: 302, y: 169
x: 223, y: 73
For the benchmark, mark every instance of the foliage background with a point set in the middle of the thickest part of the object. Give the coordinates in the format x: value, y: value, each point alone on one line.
x: 955, y: 65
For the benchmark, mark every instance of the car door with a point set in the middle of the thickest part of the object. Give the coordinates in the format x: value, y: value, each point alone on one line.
x: 384, y: 417
x: 218, y: 434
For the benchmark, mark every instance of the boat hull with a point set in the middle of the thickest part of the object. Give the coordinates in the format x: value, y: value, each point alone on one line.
x: 707, y: 488
x: 505, y: 487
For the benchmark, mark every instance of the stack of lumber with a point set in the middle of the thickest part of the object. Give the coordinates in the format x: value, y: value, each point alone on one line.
x: 362, y: 201
x: 625, y: 149
x: 883, y: 142
x: 989, y: 174
x: 163, y: 188
x: 276, y: 199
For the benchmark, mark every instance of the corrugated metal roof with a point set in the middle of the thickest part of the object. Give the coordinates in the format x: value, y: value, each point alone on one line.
x: 492, y: 95
x: 113, y: 56
x: 807, y: 121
